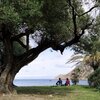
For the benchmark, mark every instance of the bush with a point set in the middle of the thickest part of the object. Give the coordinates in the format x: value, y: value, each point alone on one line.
x: 94, y: 79
x: 75, y: 78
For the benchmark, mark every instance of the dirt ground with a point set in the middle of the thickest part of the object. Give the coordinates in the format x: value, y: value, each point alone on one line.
x: 21, y: 97
x: 30, y: 97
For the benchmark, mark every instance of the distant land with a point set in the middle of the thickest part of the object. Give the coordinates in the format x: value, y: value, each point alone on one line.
x: 85, y: 71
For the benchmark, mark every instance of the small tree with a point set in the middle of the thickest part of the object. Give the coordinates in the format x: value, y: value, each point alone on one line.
x: 75, y: 76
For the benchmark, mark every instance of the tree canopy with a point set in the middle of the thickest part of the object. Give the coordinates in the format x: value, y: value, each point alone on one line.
x: 51, y: 23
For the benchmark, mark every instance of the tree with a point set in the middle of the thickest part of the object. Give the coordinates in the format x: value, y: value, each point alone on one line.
x: 90, y: 47
x: 59, y: 25
x: 75, y: 76
x: 94, y: 79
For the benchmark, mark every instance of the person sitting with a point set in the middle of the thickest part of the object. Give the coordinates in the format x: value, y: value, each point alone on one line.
x: 59, y: 82
x: 67, y: 83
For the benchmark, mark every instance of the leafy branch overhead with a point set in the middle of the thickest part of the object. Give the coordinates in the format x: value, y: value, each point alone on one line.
x: 31, y: 16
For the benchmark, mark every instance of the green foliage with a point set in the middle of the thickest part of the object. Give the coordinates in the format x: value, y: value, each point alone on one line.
x: 18, y: 49
x: 75, y: 77
x: 90, y: 43
x: 9, y: 17
x: 14, y: 13
x: 94, y: 79
x: 53, y: 17
x: 57, y: 19
x: 75, y: 80
x: 29, y: 11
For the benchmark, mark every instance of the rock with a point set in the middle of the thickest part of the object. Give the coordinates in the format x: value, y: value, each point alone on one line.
x: 84, y: 72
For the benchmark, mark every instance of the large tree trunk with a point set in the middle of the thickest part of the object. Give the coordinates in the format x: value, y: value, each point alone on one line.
x: 6, y: 77
x: 6, y: 82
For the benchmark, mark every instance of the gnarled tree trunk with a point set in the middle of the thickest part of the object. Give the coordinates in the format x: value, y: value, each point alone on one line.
x: 6, y: 77
x: 6, y: 83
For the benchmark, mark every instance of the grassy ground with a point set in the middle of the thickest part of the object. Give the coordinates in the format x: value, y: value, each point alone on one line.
x: 55, y: 93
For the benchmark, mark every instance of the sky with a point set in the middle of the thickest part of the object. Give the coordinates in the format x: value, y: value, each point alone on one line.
x: 50, y: 63
x: 47, y: 65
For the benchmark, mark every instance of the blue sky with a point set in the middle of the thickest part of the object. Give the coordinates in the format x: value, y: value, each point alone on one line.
x: 48, y: 64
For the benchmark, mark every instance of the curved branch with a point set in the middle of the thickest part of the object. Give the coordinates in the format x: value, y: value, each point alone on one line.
x: 31, y: 54
x: 88, y: 10
x: 75, y: 40
x: 15, y: 37
x: 79, y: 15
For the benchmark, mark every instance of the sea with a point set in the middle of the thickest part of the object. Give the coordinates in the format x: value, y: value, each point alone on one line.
x: 42, y: 82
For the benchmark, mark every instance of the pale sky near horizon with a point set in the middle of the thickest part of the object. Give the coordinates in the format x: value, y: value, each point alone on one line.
x: 49, y: 63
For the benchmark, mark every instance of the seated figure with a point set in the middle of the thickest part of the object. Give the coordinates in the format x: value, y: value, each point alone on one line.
x: 67, y: 83
x: 59, y: 82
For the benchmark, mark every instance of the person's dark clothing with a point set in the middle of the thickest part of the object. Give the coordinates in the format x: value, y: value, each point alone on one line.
x: 59, y: 82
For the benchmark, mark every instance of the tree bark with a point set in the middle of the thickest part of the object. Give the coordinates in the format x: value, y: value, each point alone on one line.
x: 6, y: 77
x: 6, y: 83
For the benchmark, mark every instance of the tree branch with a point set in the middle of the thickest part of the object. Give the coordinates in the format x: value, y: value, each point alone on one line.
x: 27, y: 32
x: 88, y: 10
x: 79, y: 15
x: 21, y: 43
x: 73, y: 18
x: 32, y: 53
x: 15, y: 37
x: 75, y: 40
x: 27, y: 42
x: 85, y: 27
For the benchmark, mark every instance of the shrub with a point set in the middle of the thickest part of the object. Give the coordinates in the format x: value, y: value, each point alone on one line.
x: 75, y: 78
x: 94, y: 79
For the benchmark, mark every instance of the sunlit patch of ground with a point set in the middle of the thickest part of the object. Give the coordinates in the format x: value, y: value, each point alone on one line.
x: 31, y: 97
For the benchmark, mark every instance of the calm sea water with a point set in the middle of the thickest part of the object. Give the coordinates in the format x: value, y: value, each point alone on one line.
x: 41, y: 82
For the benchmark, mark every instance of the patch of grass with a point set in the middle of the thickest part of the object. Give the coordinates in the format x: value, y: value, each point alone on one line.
x: 43, y: 90
x: 62, y: 92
